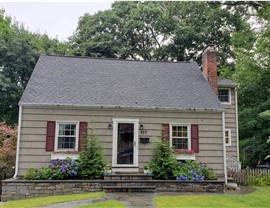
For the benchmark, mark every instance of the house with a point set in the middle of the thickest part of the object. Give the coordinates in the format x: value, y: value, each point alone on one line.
x: 127, y: 104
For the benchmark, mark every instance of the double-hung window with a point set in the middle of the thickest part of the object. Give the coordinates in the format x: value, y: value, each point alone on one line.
x: 67, y: 136
x: 228, y: 137
x: 224, y: 96
x: 180, y: 136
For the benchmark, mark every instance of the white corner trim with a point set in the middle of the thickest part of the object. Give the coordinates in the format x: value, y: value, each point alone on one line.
x: 63, y: 156
x: 18, y: 142
x: 224, y: 147
x: 236, y: 118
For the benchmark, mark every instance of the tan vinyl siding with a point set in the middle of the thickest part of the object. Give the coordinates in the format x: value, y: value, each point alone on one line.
x: 230, y: 123
x: 34, y: 121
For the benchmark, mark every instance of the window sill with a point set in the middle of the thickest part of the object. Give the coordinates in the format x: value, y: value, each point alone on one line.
x: 64, y: 155
x: 185, y: 156
x: 225, y: 103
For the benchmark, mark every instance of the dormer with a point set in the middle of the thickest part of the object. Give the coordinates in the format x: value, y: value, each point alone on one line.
x: 226, y: 91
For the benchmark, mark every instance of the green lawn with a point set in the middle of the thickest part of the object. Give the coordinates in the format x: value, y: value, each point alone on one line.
x: 41, y: 201
x: 259, y: 198
x: 105, y: 204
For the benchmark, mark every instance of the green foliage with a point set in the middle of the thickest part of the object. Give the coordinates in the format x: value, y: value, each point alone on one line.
x: 63, y: 169
x: 208, y: 174
x: 91, y: 162
x: 57, y: 170
x: 252, y: 55
x: 262, y: 180
x: 31, y: 174
x: 163, y: 164
x: 192, y: 170
x: 156, y: 31
x: 8, y: 140
x: 19, y: 51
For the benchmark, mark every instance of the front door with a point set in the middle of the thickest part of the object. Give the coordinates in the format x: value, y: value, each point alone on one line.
x: 125, y: 142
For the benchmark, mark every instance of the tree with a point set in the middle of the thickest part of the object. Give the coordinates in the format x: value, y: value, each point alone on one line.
x: 156, y: 31
x: 19, y: 51
x: 91, y: 162
x: 8, y: 139
x: 251, y: 48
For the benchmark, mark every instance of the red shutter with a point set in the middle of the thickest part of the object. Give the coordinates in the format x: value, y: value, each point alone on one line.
x: 166, y: 132
x: 50, y: 136
x: 82, y: 132
x: 195, y: 138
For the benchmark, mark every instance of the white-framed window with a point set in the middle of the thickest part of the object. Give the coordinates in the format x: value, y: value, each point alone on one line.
x: 180, y: 136
x: 228, y: 137
x: 224, y: 95
x: 67, y: 136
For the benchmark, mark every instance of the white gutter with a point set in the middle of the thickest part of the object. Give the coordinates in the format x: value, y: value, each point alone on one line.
x: 18, y: 142
x: 109, y: 107
x: 237, y: 131
x: 224, y: 147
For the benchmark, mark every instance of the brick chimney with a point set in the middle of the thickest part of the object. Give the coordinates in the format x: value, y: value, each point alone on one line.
x: 209, y: 65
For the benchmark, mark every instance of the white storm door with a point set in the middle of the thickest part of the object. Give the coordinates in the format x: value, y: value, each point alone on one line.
x: 125, y: 142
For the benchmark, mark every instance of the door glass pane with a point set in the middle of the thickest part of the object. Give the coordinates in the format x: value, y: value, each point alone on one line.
x: 125, y: 141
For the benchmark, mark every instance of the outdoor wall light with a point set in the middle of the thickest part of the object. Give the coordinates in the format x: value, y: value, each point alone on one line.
x: 109, y: 126
x: 141, y: 126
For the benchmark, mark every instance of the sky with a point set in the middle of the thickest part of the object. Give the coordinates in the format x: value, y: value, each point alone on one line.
x: 57, y: 19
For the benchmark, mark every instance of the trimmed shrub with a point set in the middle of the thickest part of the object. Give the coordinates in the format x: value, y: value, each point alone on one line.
x: 163, y: 164
x: 91, y: 162
x: 32, y: 174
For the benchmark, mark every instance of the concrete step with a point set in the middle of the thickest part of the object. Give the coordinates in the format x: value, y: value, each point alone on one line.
x: 128, y: 183
x: 128, y: 177
x: 129, y: 188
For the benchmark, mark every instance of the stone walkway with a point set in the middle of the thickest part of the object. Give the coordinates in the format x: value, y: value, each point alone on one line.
x: 130, y: 200
x: 133, y: 199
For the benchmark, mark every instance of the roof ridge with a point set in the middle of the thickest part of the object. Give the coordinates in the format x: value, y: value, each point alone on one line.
x: 114, y: 59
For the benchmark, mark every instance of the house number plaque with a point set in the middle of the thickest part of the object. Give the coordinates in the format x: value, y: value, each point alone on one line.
x: 143, y: 132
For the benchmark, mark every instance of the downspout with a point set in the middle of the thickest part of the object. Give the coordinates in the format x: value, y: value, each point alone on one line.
x: 224, y: 147
x: 18, y: 143
x: 237, y: 132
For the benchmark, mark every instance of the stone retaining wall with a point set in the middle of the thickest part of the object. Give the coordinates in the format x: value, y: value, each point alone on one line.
x: 21, y: 189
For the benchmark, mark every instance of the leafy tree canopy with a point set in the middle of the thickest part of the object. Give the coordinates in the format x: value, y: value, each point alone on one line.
x: 19, y: 51
x: 252, y: 71
x: 156, y: 31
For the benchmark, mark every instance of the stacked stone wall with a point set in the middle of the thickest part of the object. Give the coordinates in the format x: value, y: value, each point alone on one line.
x: 20, y: 189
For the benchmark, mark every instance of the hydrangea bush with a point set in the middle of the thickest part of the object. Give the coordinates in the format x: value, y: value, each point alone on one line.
x: 57, y: 170
x: 64, y: 169
x: 194, y: 171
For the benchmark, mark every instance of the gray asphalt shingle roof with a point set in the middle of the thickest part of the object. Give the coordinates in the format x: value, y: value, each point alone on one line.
x: 226, y: 83
x: 80, y: 81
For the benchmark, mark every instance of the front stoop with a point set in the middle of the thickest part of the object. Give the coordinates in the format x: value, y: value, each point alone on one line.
x: 108, y: 189
x: 128, y: 183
